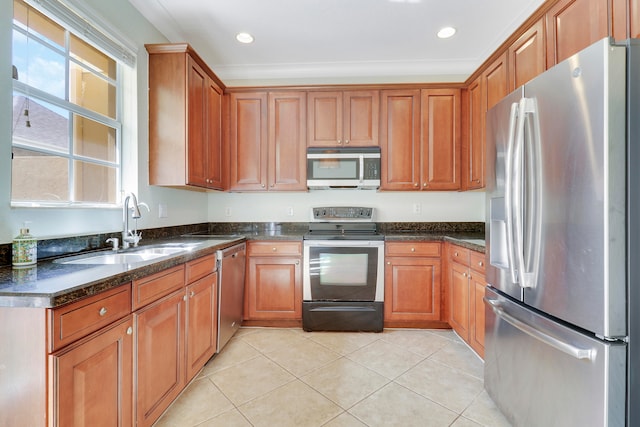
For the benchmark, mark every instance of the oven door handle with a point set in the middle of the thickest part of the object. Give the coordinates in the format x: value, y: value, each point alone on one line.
x: 344, y: 243
x: 361, y: 168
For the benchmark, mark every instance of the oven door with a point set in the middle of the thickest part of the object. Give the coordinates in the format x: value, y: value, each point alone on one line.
x: 343, y: 270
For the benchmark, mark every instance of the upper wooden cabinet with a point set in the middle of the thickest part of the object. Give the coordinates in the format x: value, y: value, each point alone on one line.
x: 400, y: 139
x: 473, y: 138
x: 634, y: 18
x: 185, y: 141
x: 266, y: 141
x: 572, y: 25
x: 440, y: 141
x: 496, y: 81
x: 420, y: 139
x: 527, y: 56
x: 348, y: 118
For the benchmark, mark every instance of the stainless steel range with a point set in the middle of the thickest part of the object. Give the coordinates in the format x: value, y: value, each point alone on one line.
x: 343, y: 284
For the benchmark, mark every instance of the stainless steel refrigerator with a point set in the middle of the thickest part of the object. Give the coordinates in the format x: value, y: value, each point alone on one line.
x: 563, y: 208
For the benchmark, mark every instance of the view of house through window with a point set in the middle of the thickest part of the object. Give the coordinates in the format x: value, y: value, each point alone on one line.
x: 66, y: 128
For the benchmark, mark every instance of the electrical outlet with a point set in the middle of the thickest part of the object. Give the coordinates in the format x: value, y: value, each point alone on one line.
x: 227, y: 211
x: 162, y: 211
x: 417, y: 208
x: 290, y: 211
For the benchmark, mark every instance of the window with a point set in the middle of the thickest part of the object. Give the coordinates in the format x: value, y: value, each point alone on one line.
x: 67, y: 126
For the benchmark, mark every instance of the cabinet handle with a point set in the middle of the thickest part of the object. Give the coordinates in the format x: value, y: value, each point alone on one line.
x: 102, y: 311
x: 129, y: 330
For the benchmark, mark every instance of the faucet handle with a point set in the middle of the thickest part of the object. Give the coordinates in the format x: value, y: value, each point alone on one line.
x: 114, y: 241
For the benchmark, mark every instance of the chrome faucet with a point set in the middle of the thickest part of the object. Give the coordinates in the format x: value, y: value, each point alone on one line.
x: 130, y: 236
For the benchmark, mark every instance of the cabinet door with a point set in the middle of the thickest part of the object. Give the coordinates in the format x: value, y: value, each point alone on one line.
x: 324, y: 124
x: 459, y: 294
x: 215, y: 154
x: 572, y: 25
x: 412, y: 289
x: 94, y: 379
x: 476, y: 303
x: 473, y: 156
x: 202, y: 321
x: 159, y: 356
x: 274, y: 288
x: 496, y: 81
x: 527, y: 56
x: 197, y: 95
x: 634, y: 19
x: 287, y: 150
x: 248, y: 141
x: 361, y: 118
x: 400, y: 139
x: 440, y: 146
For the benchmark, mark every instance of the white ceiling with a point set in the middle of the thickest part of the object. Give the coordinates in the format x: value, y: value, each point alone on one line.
x: 339, y: 41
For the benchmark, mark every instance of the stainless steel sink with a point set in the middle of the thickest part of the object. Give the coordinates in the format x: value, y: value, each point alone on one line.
x: 130, y: 256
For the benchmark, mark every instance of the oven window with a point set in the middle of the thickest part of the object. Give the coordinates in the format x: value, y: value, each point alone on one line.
x: 334, y: 168
x: 343, y: 273
x: 343, y: 269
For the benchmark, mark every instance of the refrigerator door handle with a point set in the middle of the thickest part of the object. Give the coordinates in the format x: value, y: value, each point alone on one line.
x: 540, y: 335
x: 508, y: 194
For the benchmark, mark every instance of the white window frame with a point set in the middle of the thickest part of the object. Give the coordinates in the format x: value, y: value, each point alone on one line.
x: 86, y: 25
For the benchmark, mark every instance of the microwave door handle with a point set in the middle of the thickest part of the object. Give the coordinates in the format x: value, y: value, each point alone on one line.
x: 361, y: 168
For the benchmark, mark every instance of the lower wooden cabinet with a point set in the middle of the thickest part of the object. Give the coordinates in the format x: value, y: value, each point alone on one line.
x: 93, y: 379
x: 466, y: 293
x: 202, y: 323
x: 273, y: 289
x: 412, y: 284
x: 159, y: 356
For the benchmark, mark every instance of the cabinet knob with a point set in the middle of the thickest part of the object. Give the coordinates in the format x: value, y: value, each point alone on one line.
x: 480, y: 263
x: 262, y: 185
x: 184, y: 298
x: 339, y: 141
x: 102, y: 311
x: 425, y: 184
x: 297, y: 262
x: 455, y: 254
x: 274, y: 249
x: 129, y: 330
x: 464, y: 274
x: 415, y: 184
x: 470, y: 277
x: 192, y: 294
x: 388, y: 262
x: 272, y: 185
x: 346, y: 141
x: 413, y: 249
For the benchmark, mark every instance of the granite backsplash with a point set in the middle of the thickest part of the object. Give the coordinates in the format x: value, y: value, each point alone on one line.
x: 50, y: 248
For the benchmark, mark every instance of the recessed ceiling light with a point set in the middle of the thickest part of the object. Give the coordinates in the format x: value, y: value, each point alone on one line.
x: 446, y: 32
x: 244, y: 38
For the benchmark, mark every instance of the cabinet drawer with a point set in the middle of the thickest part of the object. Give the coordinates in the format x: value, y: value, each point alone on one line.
x: 423, y: 249
x: 198, y: 268
x: 459, y: 254
x: 74, y: 321
x: 274, y: 248
x: 151, y: 288
x: 476, y: 261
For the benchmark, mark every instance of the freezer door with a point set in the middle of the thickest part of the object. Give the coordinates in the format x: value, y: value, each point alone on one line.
x: 499, y: 227
x: 541, y: 373
x: 575, y: 221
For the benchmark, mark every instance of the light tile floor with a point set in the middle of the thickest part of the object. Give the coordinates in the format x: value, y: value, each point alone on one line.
x: 288, y: 377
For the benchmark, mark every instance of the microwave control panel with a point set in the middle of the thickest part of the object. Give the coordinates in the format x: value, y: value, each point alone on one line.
x: 343, y: 213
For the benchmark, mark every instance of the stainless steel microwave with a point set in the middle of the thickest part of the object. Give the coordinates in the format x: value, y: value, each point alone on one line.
x: 345, y: 167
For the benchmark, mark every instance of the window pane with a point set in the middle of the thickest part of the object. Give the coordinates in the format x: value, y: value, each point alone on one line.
x: 38, y: 66
x: 49, y: 125
x: 91, y: 56
x: 93, y: 139
x: 88, y: 90
x: 94, y: 183
x: 37, y: 24
x: 28, y: 183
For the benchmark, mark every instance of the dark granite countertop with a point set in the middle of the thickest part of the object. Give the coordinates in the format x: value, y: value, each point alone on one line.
x: 52, y: 284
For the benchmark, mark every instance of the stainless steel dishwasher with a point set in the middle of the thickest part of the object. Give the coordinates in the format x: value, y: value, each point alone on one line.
x: 231, y: 265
